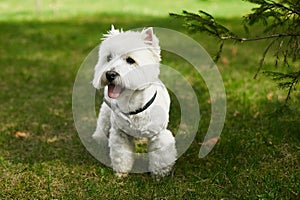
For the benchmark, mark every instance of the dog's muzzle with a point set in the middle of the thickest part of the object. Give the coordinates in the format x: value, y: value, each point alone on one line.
x: 111, y: 76
x: 114, y: 89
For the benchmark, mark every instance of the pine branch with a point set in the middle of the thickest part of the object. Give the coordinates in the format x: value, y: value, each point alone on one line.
x: 261, y: 62
x: 292, y: 85
x: 281, y: 19
x: 204, y: 22
x: 285, y: 81
x: 243, y: 39
x: 294, y: 11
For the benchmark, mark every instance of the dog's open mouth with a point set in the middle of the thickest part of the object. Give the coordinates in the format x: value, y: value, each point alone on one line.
x: 114, y: 91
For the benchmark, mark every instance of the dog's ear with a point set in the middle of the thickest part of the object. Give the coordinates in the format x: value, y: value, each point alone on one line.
x: 149, y: 37
x: 148, y: 34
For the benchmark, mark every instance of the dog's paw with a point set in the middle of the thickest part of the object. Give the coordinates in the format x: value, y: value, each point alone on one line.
x: 161, y: 173
x: 121, y: 174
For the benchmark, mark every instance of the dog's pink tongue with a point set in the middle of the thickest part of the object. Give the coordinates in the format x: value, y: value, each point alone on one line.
x: 114, y: 91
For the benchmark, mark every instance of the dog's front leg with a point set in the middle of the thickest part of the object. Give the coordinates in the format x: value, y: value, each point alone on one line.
x: 103, y: 125
x: 101, y: 134
x: 121, y: 151
x: 162, y: 153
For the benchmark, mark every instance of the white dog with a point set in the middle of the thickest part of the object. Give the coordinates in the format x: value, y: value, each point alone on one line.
x: 136, y: 103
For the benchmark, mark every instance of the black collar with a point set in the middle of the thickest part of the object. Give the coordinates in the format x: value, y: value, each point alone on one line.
x: 144, y: 107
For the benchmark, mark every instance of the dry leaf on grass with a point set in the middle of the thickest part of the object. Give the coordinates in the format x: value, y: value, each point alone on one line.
x: 255, y: 115
x: 234, y: 51
x: 224, y: 60
x: 212, y: 141
x: 53, y: 139
x: 236, y: 113
x: 270, y: 96
x: 20, y: 134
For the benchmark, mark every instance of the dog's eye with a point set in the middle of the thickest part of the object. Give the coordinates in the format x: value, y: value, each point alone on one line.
x: 108, y: 58
x: 130, y: 60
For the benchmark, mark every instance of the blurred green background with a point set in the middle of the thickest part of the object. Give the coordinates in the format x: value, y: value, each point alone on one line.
x: 55, y: 9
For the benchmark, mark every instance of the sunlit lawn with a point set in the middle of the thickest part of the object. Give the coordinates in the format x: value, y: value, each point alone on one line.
x: 41, y: 155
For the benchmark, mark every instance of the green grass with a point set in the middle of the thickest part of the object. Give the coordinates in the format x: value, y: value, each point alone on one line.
x: 257, y: 157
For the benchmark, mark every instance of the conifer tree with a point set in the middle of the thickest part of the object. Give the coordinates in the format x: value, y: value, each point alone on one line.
x: 281, y: 21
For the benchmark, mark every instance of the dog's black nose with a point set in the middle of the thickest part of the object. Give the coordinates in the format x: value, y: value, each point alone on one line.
x: 111, y: 75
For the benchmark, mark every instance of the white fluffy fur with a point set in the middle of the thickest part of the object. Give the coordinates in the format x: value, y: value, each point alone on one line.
x: 140, y: 81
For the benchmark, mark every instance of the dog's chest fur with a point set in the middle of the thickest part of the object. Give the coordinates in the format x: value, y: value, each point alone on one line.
x: 136, y: 127
x: 143, y: 123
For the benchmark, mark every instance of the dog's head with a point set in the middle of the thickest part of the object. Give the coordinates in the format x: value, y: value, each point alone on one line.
x: 127, y: 61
